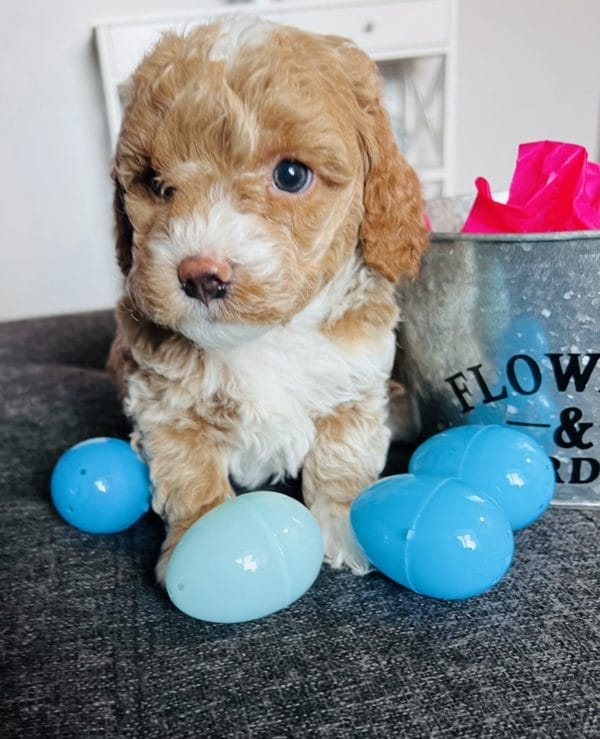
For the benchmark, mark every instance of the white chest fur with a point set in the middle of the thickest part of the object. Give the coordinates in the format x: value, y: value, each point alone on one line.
x: 281, y: 383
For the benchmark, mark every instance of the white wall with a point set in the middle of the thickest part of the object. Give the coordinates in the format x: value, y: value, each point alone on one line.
x: 527, y: 69
x: 55, y: 195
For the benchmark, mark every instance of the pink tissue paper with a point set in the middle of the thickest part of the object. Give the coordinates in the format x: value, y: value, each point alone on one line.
x: 554, y: 188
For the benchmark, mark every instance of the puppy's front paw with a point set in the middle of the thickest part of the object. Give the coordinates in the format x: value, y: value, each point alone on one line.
x: 341, y: 549
x: 174, y: 534
x: 160, y: 569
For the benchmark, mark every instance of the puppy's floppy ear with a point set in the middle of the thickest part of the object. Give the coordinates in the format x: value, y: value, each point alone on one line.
x: 123, y: 227
x: 393, y: 233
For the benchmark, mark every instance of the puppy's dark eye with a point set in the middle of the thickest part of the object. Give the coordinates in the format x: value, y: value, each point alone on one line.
x: 292, y: 176
x: 159, y: 188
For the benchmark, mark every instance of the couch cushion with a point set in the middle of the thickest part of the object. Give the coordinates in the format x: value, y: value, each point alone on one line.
x: 92, y: 647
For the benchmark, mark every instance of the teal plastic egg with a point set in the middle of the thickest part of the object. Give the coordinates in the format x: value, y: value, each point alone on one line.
x: 506, y: 465
x: 101, y: 486
x: 247, y: 558
x: 432, y: 535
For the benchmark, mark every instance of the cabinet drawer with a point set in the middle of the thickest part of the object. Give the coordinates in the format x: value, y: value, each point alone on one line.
x: 393, y: 26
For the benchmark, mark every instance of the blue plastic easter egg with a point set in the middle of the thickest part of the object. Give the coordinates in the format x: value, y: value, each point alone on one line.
x: 247, y: 558
x: 435, y: 536
x: 506, y: 465
x: 100, y: 486
x: 536, y: 415
x: 524, y: 334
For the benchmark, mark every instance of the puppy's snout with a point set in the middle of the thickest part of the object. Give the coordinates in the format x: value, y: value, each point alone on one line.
x: 205, y: 279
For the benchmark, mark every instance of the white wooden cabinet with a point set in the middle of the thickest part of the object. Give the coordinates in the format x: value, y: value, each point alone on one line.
x: 413, y: 42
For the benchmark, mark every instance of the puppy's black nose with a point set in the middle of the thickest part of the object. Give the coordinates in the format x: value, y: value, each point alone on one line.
x: 204, y: 278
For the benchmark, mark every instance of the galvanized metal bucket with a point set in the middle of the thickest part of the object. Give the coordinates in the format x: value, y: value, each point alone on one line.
x: 506, y: 329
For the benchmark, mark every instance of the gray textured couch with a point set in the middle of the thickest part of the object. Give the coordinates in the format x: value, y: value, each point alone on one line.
x: 92, y: 647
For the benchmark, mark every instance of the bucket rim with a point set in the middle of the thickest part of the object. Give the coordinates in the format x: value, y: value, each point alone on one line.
x: 439, y: 236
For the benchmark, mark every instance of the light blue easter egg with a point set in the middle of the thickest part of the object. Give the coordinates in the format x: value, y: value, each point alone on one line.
x: 249, y: 557
x: 435, y: 536
x: 506, y: 465
x: 101, y: 486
